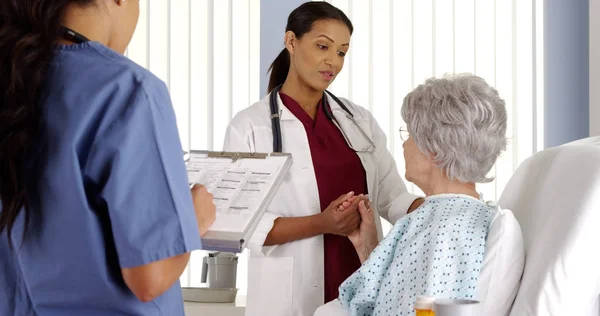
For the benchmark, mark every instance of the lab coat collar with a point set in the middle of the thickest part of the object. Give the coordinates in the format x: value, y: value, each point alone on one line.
x: 335, y: 107
x: 284, y: 113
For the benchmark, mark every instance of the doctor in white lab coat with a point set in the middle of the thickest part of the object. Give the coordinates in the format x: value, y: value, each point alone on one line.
x: 288, y: 254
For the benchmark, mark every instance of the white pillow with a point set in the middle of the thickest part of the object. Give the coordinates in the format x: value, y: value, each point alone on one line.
x: 555, y: 196
x: 502, y: 265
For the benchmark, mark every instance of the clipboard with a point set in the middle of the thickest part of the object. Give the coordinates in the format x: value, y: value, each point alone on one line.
x: 243, y: 185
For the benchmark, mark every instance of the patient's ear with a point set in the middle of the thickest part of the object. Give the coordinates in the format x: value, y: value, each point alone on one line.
x: 431, y: 157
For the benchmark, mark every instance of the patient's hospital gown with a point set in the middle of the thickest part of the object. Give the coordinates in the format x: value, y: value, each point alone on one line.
x: 436, y: 250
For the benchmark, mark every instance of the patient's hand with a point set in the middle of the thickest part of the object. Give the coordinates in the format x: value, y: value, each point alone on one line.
x: 364, y: 238
x: 346, y: 204
x: 341, y: 222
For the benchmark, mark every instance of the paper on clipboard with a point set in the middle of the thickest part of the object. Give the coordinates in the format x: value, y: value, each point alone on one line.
x: 243, y: 185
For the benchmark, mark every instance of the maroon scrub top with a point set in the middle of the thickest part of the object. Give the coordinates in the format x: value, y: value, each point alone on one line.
x: 338, y: 171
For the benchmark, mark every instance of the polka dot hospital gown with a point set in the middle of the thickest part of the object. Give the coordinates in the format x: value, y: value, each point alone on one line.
x: 436, y: 250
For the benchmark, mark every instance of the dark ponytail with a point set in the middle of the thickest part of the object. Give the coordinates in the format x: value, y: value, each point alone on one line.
x: 279, y: 69
x: 300, y: 22
x: 28, y: 29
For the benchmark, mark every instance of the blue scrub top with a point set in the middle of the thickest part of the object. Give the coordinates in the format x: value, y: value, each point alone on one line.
x: 108, y: 190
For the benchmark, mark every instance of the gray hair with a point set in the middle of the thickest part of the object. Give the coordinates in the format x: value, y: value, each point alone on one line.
x: 461, y: 120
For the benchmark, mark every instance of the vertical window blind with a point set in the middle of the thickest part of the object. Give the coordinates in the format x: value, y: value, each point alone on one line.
x: 396, y: 45
x: 208, y: 54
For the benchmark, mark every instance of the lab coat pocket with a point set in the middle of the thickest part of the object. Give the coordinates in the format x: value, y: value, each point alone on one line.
x: 270, y: 283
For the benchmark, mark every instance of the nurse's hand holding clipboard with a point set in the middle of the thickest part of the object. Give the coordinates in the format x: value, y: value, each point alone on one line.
x: 204, y: 207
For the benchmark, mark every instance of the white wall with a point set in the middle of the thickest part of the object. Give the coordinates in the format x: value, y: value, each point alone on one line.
x: 594, y: 67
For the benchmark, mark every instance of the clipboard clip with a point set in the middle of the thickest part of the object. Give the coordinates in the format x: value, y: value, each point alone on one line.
x: 235, y: 156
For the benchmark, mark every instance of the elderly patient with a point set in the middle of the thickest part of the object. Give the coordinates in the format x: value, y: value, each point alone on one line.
x: 455, y: 131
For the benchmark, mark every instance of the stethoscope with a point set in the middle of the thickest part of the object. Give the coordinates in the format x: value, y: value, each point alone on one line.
x: 73, y: 36
x: 276, y: 123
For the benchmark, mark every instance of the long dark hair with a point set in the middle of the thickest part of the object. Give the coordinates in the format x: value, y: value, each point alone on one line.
x: 300, y: 22
x: 28, y: 29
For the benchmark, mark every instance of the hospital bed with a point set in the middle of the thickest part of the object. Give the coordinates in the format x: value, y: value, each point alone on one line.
x: 555, y: 198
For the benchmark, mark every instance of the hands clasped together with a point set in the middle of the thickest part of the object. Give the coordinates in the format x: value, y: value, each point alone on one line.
x: 349, y: 215
x: 352, y: 216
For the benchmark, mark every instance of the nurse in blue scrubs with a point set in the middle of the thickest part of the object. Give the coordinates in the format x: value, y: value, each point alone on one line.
x: 96, y: 214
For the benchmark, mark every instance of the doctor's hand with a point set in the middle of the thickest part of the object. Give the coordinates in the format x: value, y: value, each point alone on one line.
x: 346, y: 204
x: 364, y: 238
x: 341, y: 222
x: 204, y: 207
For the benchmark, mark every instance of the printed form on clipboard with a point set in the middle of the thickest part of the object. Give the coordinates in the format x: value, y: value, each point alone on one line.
x: 243, y: 185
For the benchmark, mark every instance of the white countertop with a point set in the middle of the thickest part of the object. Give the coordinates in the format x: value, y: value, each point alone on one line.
x: 220, y: 309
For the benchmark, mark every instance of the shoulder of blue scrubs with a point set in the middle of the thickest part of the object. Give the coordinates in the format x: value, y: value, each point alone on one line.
x: 136, y: 163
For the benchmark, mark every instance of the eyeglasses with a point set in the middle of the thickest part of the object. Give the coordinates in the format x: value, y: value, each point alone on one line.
x: 404, y: 135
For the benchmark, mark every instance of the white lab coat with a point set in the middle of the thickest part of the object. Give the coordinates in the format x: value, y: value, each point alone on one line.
x: 287, y: 280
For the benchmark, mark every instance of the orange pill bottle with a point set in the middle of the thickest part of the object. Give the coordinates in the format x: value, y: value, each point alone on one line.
x: 424, y: 306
